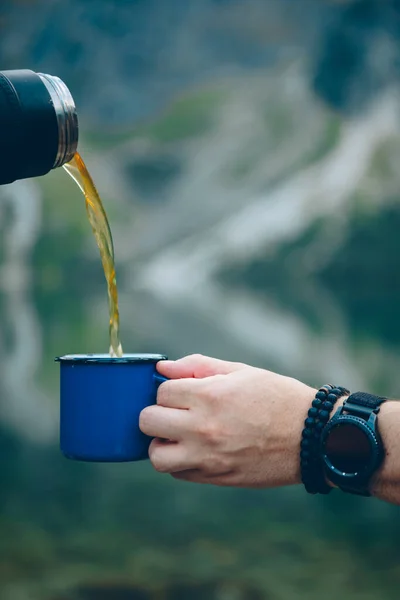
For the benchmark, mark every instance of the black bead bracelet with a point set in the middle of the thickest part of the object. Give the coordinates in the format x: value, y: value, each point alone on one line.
x: 312, y: 472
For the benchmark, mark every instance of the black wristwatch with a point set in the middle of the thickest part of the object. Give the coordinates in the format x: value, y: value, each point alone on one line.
x: 351, y: 447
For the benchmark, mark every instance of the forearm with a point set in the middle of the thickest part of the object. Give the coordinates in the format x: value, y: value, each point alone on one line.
x: 386, y: 483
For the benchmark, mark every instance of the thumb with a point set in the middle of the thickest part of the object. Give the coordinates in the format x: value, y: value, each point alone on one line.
x: 198, y: 366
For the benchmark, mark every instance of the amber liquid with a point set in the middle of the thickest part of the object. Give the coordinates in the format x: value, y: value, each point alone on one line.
x: 98, y: 219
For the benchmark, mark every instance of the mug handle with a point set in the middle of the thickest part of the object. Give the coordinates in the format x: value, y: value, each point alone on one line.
x: 159, y: 379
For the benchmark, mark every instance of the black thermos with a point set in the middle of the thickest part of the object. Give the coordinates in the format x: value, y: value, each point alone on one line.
x: 38, y: 124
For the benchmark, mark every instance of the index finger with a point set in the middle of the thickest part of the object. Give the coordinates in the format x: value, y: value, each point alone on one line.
x: 178, y: 393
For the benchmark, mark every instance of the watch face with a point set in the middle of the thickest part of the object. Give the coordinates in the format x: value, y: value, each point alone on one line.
x: 348, y: 448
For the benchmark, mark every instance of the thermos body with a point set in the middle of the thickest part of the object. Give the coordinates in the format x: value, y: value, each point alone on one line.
x: 38, y: 124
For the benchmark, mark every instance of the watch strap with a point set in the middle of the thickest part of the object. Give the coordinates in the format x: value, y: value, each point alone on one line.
x: 365, y: 399
x: 362, y: 404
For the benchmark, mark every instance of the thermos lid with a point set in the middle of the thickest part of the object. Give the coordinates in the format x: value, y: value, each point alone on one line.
x: 106, y: 358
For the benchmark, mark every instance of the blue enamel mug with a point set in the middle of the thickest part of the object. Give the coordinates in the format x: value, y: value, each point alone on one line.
x: 101, y: 398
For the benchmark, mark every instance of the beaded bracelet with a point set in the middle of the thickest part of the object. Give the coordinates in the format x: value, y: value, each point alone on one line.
x: 312, y: 472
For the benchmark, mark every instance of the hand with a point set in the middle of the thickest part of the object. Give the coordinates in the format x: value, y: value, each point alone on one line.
x: 227, y: 423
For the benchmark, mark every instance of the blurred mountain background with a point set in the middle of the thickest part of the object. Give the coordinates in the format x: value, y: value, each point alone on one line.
x: 247, y: 153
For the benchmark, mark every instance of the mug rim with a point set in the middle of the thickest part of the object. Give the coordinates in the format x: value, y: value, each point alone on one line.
x: 107, y: 359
